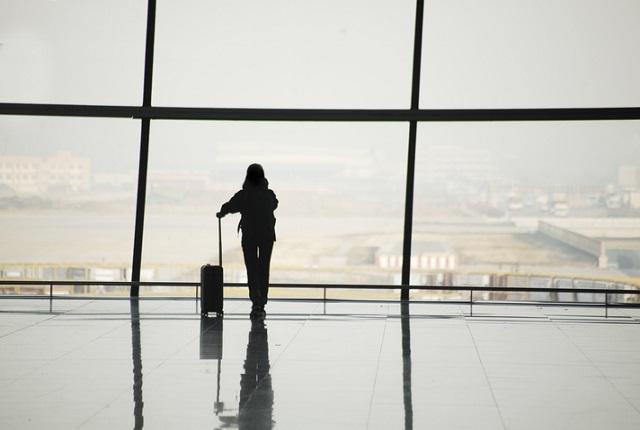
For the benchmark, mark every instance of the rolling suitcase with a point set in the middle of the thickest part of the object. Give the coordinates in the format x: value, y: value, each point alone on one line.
x: 211, y: 283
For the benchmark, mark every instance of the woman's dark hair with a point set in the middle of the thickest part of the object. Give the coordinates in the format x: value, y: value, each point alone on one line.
x: 255, y: 176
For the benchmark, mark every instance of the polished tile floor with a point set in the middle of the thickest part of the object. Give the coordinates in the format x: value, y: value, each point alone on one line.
x: 109, y: 364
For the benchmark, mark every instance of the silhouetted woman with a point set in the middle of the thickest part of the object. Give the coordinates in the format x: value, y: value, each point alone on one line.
x: 256, y: 203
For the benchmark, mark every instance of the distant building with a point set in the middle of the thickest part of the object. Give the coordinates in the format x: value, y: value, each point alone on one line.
x: 424, y: 255
x: 37, y: 175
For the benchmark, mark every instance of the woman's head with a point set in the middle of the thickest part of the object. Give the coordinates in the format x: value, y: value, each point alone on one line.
x: 255, y: 176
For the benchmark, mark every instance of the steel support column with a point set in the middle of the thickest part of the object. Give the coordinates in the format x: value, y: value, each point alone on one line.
x: 144, y: 149
x: 411, y: 157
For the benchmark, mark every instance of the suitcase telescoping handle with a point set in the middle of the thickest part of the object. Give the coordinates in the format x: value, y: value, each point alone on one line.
x: 220, y: 241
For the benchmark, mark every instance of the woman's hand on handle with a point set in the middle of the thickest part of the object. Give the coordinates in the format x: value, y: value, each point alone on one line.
x: 219, y: 214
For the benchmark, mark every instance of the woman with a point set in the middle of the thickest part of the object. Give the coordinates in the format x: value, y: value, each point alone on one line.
x: 256, y: 203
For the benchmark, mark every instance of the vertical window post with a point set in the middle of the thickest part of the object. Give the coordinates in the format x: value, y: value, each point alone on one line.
x: 144, y: 150
x: 411, y: 157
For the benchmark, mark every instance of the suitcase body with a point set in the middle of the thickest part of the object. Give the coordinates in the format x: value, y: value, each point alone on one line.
x: 212, y: 284
x: 211, y: 290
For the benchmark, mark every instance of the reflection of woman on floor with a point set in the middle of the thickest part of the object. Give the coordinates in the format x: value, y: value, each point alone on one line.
x: 256, y: 203
x: 255, y: 410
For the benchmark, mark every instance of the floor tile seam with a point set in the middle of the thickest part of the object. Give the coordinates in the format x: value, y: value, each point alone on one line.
x: 26, y: 327
x: 375, y: 378
x: 106, y: 405
x: 486, y: 377
x: 595, y: 366
x: 57, y: 314
x: 114, y: 398
x: 50, y: 362
x: 126, y: 391
x: 293, y: 337
x: 163, y: 361
x: 272, y: 365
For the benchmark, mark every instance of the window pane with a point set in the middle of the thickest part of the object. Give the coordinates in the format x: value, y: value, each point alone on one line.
x: 340, y: 187
x: 72, y: 51
x: 503, y: 53
x: 67, y: 199
x: 284, y: 53
x: 531, y: 204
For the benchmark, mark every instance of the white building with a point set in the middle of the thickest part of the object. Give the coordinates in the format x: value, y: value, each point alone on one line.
x: 424, y: 255
x: 38, y: 175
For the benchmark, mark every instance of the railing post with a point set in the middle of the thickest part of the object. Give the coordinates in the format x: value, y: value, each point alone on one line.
x: 51, y: 297
x: 197, y: 296
x: 606, y: 304
x: 324, y: 302
x: 471, y: 302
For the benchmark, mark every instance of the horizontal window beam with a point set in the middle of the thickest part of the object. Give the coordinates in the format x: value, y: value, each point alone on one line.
x: 397, y: 115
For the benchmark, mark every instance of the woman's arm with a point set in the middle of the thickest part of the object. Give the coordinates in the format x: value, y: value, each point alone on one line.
x: 232, y: 206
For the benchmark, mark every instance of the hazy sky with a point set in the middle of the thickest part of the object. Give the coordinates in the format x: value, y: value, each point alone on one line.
x: 334, y: 53
x: 531, y: 53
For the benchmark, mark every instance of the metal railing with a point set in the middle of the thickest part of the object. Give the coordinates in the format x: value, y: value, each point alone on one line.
x: 606, y: 292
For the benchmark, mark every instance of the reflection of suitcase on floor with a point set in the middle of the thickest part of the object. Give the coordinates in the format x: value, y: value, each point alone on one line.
x: 211, y: 338
x: 211, y: 283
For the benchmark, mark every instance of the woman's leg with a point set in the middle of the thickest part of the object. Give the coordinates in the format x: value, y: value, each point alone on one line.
x: 250, y: 251
x: 264, y: 264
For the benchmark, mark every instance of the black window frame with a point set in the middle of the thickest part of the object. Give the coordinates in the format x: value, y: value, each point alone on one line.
x: 147, y: 112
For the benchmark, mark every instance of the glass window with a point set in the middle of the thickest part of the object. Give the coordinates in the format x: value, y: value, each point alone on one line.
x: 63, y: 224
x: 330, y: 54
x: 340, y: 187
x: 533, y: 204
x: 72, y: 51
x: 502, y: 54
